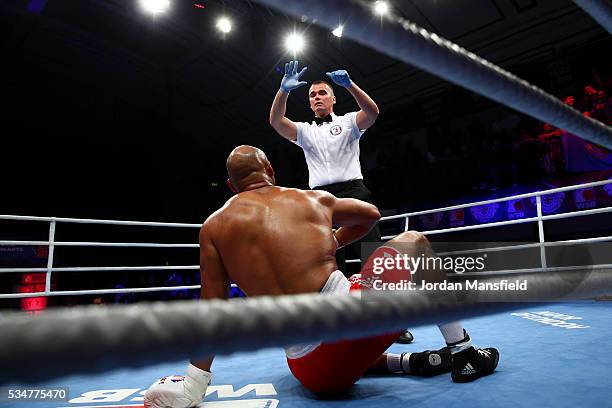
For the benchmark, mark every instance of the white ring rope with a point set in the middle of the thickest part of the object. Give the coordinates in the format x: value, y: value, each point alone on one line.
x: 561, y: 216
x: 101, y: 291
x: 527, y: 246
x: 508, y: 273
x: 102, y: 244
x: 102, y: 268
x: 498, y: 200
x: 407, y: 42
x: 386, y: 218
x: 100, y: 222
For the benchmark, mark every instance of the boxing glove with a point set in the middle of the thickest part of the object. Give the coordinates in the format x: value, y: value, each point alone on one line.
x: 177, y: 391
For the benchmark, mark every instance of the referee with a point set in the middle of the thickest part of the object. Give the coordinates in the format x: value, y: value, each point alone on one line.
x: 330, y: 142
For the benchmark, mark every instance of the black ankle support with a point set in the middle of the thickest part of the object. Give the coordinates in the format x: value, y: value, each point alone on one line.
x: 429, y: 363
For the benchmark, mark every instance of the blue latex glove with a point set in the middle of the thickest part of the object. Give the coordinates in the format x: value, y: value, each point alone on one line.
x: 291, y: 79
x: 340, y: 77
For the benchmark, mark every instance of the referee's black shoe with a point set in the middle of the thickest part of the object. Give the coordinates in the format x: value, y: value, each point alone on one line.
x: 405, y: 338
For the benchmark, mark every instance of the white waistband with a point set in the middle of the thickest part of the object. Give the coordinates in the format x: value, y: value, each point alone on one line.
x: 336, y: 284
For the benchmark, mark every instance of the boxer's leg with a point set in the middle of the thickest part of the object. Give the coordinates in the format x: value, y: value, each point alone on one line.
x: 468, y: 363
x: 335, y: 367
x: 427, y: 363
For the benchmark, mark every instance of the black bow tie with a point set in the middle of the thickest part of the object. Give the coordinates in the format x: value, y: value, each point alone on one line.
x: 320, y: 121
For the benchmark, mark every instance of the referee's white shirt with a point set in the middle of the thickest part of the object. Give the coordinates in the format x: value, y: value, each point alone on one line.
x: 331, y: 149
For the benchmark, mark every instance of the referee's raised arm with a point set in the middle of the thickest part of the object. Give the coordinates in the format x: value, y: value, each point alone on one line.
x: 291, y: 80
x: 369, y: 110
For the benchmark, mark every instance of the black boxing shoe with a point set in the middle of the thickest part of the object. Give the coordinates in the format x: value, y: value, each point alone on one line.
x: 429, y: 363
x: 405, y: 338
x: 472, y: 363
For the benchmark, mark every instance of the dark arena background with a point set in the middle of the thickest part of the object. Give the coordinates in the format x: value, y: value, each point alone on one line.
x: 113, y: 111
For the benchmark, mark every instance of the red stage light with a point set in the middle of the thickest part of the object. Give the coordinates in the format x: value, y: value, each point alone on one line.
x: 34, y: 304
x: 33, y: 282
x: 30, y: 278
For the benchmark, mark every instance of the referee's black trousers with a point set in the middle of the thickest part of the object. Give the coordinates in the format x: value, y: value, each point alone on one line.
x: 352, y: 189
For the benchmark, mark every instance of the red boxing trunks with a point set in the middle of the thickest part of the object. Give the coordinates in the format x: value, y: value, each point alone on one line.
x: 335, y: 367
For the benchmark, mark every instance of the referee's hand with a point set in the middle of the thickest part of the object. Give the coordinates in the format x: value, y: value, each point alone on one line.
x: 291, y: 79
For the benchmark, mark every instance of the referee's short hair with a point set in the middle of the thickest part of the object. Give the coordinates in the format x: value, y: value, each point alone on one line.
x: 322, y: 81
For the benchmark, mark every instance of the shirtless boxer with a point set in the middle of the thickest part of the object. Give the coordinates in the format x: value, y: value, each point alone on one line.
x: 271, y: 240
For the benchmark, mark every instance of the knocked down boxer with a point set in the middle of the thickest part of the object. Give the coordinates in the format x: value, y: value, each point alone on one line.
x: 278, y: 241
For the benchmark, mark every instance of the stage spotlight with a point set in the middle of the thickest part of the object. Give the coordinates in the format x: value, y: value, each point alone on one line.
x: 155, y: 6
x: 381, y: 8
x: 224, y: 25
x: 338, y: 31
x: 295, y: 43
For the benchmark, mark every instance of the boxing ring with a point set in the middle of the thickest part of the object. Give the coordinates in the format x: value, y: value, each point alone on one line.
x: 553, y: 353
x: 543, y: 346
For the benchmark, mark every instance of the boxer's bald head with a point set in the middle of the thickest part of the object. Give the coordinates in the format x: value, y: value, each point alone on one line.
x: 248, y: 168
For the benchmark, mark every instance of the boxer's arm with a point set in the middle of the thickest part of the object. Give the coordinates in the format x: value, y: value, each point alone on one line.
x: 214, y: 279
x: 355, y: 219
x: 189, y: 390
x: 283, y: 126
x: 369, y: 110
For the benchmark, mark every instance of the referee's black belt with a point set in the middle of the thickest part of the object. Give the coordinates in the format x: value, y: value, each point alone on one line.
x: 351, y: 188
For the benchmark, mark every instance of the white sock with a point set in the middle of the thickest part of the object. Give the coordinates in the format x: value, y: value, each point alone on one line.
x: 398, y: 363
x: 455, y: 335
x: 394, y: 363
x: 452, y: 332
x: 406, y: 363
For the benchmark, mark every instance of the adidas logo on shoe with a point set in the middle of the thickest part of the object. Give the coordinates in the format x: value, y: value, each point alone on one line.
x: 470, y: 364
x: 468, y: 369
